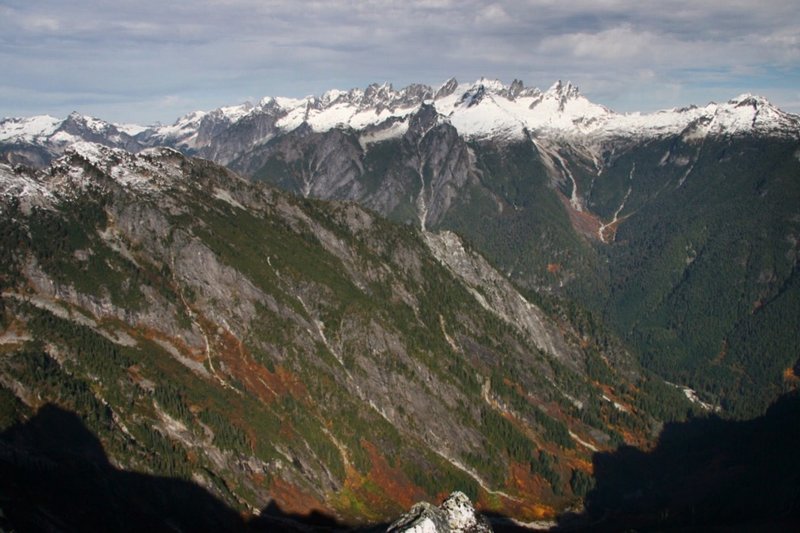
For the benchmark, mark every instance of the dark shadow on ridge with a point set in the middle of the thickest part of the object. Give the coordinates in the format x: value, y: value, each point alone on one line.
x: 704, y: 474
x: 56, y: 476
x: 273, y: 518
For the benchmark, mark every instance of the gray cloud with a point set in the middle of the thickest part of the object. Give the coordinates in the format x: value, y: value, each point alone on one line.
x: 153, y: 60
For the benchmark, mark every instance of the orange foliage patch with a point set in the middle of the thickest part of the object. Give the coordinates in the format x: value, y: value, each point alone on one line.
x: 191, y: 455
x: 582, y: 464
x: 723, y: 351
x: 525, y: 482
x: 533, y: 490
x: 394, y: 483
x: 294, y: 501
x: 134, y: 372
x: 790, y: 376
x: 385, y: 490
x: 584, y: 222
x: 554, y: 268
x: 239, y: 363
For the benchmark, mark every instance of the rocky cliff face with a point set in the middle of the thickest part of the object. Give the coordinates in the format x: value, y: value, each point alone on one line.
x: 293, y: 353
x: 628, y: 215
x: 284, y: 349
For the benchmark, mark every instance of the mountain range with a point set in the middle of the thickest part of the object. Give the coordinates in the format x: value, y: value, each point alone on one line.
x: 484, y: 110
x: 344, y: 304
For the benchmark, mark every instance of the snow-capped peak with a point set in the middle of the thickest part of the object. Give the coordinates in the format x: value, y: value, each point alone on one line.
x: 491, y: 85
x: 748, y: 112
x: 131, y: 129
x: 146, y: 172
x: 27, y: 129
x: 184, y: 131
x: 76, y: 122
x: 749, y: 99
x: 446, y: 89
x: 563, y: 90
x: 484, y: 109
x: 235, y: 112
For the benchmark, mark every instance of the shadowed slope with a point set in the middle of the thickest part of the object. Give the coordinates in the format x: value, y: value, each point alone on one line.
x: 703, y: 473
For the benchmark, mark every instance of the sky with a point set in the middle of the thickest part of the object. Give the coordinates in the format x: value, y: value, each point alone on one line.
x: 149, y: 61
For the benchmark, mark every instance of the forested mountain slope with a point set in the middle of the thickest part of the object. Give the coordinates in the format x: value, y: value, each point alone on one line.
x: 291, y: 353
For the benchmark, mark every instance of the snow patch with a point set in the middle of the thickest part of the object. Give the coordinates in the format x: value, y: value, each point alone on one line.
x: 28, y: 129
x: 28, y: 190
x: 131, y: 129
x: 89, y: 151
x: 601, y: 232
x: 195, y: 366
x: 692, y: 396
x: 395, y: 131
x: 583, y: 442
x: 225, y: 196
x: 62, y: 137
x: 146, y: 172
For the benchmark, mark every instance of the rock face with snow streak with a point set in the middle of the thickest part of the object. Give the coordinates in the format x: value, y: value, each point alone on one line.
x: 455, y: 515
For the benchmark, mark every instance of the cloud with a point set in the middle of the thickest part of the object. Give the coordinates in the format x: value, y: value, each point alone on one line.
x: 621, y: 52
x: 614, y: 44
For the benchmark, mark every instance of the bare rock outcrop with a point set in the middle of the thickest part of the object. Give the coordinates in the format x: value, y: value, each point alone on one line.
x: 455, y: 515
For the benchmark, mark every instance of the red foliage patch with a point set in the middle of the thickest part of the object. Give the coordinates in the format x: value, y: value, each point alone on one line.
x: 292, y: 500
x: 392, y: 481
x: 584, y: 222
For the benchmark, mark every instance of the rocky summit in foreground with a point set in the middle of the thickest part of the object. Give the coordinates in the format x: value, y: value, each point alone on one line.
x: 455, y: 515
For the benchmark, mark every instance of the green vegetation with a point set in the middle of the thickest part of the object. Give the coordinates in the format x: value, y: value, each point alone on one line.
x: 705, y: 282
x: 505, y: 436
x: 580, y: 482
x: 545, y: 464
x: 306, y: 342
x: 552, y: 429
x: 524, y: 226
x: 12, y: 410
